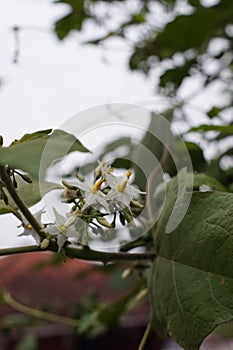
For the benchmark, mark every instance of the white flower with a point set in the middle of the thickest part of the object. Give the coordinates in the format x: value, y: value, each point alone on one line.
x: 121, y: 191
x: 62, y: 228
x: 93, y: 195
x: 30, y: 231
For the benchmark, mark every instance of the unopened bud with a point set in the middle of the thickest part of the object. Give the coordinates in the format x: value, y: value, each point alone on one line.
x: 141, y: 294
x: 104, y: 222
x: 80, y: 177
x: 128, y: 217
x: 26, y: 178
x: 69, y: 186
x: 136, y: 204
x: 45, y: 243
x: 126, y: 273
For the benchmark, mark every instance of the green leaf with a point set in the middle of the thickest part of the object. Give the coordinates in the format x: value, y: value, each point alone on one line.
x: 5, y: 209
x: 214, y: 112
x: 107, y: 315
x: 27, y: 153
x: 34, y: 135
x: 197, y: 157
x: 186, y: 31
x: 15, y: 320
x: 205, y: 179
x: 224, y: 129
x: 31, y: 193
x: 28, y: 342
x: 176, y: 75
x: 191, y: 281
x: 110, y: 314
x: 154, y: 145
x: 72, y: 21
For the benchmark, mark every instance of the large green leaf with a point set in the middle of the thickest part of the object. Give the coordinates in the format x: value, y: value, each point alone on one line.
x: 191, y: 281
x: 186, y: 31
x: 26, y: 154
x: 31, y: 193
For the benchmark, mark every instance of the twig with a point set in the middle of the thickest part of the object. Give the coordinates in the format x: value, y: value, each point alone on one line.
x: 82, y: 253
x: 145, y: 337
x: 38, y: 313
x: 19, y: 202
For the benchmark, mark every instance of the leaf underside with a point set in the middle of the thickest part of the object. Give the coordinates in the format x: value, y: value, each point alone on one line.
x: 33, y: 153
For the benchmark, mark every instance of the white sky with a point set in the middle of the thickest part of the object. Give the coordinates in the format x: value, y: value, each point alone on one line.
x: 54, y: 80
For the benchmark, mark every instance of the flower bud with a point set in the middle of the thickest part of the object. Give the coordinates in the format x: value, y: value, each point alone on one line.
x: 126, y: 273
x: 26, y: 178
x: 69, y: 186
x: 136, y: 204
x: 104, y: 222
x: 80, y: 177
x: 45, y: 243
x: 141, y: 294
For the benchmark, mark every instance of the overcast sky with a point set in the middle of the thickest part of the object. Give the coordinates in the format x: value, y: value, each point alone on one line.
x: 55, y: 80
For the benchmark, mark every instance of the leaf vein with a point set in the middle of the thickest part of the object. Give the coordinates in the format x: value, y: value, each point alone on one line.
x: 177, y: 295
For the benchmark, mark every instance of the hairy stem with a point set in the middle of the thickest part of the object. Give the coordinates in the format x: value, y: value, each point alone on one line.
x: 18, y: 201
x: 82, y: 253
x: 89, y: 254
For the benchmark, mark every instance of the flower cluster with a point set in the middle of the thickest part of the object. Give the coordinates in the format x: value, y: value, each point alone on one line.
x: 95, y: 206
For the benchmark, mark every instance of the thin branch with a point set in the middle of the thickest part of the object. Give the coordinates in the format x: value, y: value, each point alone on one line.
x: 38, y: 313
x: 94, y: 255
x: 145, y: 337
x: 82, y: 253
x: 19, y: 250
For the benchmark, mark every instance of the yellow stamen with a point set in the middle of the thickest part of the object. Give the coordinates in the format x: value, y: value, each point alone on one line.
x: 29, y: 227
x: 63, y: 228
x: 128, y: 174
x: 97, y: 186
x: 122, y: 186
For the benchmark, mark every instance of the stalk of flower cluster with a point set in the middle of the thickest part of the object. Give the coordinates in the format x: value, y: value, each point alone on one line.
x: 19, y: 202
